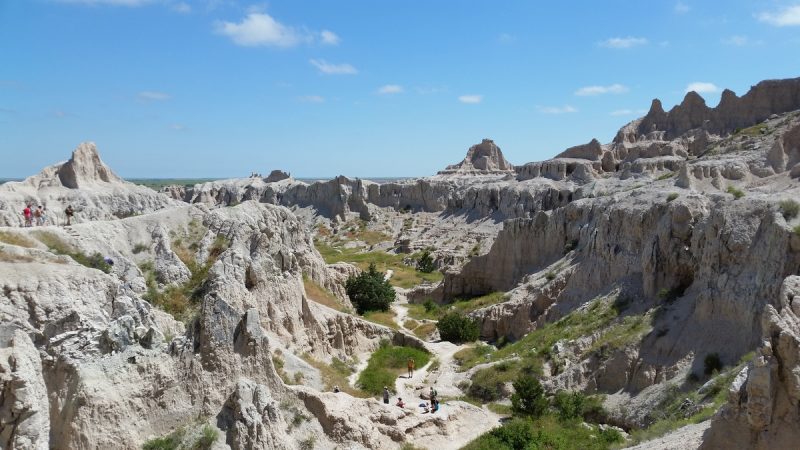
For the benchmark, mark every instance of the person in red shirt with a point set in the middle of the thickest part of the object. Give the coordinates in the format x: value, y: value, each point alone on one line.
x: 27, y: 213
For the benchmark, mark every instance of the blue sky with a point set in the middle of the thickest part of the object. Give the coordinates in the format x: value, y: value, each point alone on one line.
x: 216, y: 88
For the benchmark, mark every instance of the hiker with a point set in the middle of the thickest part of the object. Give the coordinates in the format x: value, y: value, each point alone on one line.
x: 27, y: 214
x: 37, y: 216
x: 435, y: 406
x: 433, y: 394
x: 43, y: 216
x: 410, y: 367
x: 400, y: 403
x: 385, y: 395
x: 336, y: 389
x: 69, y: 212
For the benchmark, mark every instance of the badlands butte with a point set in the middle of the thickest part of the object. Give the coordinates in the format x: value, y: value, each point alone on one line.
x: 656, y: 276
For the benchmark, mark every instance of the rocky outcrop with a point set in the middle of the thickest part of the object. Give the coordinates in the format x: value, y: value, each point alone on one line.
x: 84, y: 182
x: 484, y: 158
x: 763, y: 407
x: 759, y: 103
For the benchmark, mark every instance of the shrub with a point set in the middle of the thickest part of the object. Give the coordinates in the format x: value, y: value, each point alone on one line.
x: 487, y: 385
x: 59, y: 247
x: 139, y: 248
x: 737, y: 193
x: 425, y: 262
x: 550, y: 275
x: 430, y: 306
x: 308, y: 443
x: 528, y: 398
x: 789, y: 208
x: 370, y: 291
x: 517, y: 434
x: 207, y: 438
x: 672, y: 197
x: 610, y: 435
x: 458, y: 328
x: 712, y: 363
x: 570, y: 405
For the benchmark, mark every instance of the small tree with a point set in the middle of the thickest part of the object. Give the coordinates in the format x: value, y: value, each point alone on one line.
x: 456, y: 327
x: 425, y: 262
x: 370, y: 291
x: 528, y: 398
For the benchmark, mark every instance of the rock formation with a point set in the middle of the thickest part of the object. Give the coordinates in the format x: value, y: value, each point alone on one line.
x: 482, y: 159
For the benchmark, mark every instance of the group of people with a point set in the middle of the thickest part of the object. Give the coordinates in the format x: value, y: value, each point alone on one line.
x: 38, y: 216
x: 433, y: 396
x: 34, y: 216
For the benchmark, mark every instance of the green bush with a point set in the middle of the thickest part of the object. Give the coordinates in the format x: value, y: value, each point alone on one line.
x: 139, y: 248
x: 528, y: 398
x: 517, y: 434
x: 712, y: 363
x: 737, y: 193
x: 425, y: 262
x: 569, y: 405
x: 672, y: 197
x: 430, y: 306
x: 789, y: 208
x: 487, y: 385
x: 386, y: 364
x: 458, y: 328
x: 370, y: 291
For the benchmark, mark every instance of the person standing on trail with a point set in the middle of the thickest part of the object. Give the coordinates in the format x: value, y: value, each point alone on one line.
x: 69, y: 212
x: 410, y: 367
x: 385, y: 395
x: 37, y: 215
x: 43, y: 216
x: 27, y: 214
x: 432, y: 395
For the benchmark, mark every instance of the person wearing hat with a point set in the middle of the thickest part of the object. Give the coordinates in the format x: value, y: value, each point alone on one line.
x: 385, y: 395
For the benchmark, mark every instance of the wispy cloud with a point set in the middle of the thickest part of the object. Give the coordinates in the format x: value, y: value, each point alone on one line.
x: 182, y: 7
x: 328, y: 37
x: 390, y: 89
x: 312, y: 99
x: 152, y: 96
x: 702, y: 87
x: 786, y: 17
x: 623, y: 42
x: 178, y: 127
x: 470, y: 98
x: 615, y: 88
x: 505, y: 38
x: 131, y: 3
x: 557, y: 109
x: 681, y: 8
x: 333, y: 69
x: 737, y: 40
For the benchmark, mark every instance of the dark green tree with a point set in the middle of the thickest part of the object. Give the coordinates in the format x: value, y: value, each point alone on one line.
x: 425, y: 262
x: 370, y: 291
x: 456, y: 327
x: 528, y: 398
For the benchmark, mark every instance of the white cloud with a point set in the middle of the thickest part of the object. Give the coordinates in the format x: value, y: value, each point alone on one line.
x: 470, y: 99
x: 153, y: 96
x: 615, y: 88
x: 622, y: 112
x: 789, y: 16
x: 557, y: 109
x: 702, y: 87
x: 626, y: 42
x: 183, y: 8
x: 259, y: 29
x: 312, y: 99
x: 328, y: 37
x: 390, y: 89
x: 333, y: 69
x: 506, y: 38
x: 681, y: 8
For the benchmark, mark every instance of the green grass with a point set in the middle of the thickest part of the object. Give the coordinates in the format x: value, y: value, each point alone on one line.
x: 386, y: 364
x: 666, y: 176
x: 737, y: 193
x: 547, y: 432
x: 56, y: 245
x: 789, y: 209
x: 755, y: 130
x: 669, y: 414
x: 202, y: 440
x: 499, y: 408
x: 385, y: 318
x: 473, y: 355
x: 16, y: 239
x: 419, y: 311
x: 319, y: 294
x: 424, y: 330
x: 335, y: 374
x: 796, y: 230
x: 404, y: 276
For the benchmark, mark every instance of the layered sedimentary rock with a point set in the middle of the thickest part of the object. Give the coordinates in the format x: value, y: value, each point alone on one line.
x: 484, y: 158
